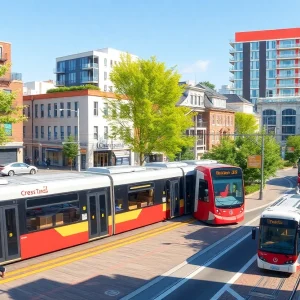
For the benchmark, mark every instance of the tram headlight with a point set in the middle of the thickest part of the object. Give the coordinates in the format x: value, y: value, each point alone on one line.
x: 289, y: 262
x: 262, y: 258
x: 217, y: 211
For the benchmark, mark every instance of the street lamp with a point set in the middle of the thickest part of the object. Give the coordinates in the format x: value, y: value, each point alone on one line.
x: 78, y: 140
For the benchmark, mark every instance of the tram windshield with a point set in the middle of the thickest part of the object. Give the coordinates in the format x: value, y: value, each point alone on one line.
x: 228, y: 188
x: 278, y: 236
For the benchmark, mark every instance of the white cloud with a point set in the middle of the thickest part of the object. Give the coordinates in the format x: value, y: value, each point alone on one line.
x: 198, y: 66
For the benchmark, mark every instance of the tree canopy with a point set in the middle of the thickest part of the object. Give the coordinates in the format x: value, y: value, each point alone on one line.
x: 70, y: 149
x: 245, y: 123
x: 10, y: 112
x: 293, y: 141
x: 153, y: 92
x: 208, y: 84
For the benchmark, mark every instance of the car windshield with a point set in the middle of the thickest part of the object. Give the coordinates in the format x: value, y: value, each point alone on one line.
x: 277, y: 239
x: 228, y: 192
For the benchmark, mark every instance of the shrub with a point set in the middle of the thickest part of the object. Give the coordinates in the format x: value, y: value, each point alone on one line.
x: 249, y: 189
x: 73, y: 88
x: 287, y: 164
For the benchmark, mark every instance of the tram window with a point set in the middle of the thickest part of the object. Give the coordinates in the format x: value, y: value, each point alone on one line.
x: 42, y: 217
x: 140, y: 199
x: 203, y: 190
x: 121, y: 198
x: 52, y: 200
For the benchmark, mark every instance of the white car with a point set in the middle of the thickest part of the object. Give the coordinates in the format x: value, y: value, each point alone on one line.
x: 17, y: 168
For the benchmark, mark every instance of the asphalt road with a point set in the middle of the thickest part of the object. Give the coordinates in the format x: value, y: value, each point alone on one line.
x: 207, y: 272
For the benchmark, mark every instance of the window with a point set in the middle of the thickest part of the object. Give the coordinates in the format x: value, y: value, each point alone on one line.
x: 55, y: 132
x: 105, y: 109
x: 271, y: 83
x: 76, y: 109
x: 288, y: 123
x: 213, y: 119
x: 105, y: 75
x: 238, y: 46
x: 271, y: 64
x: 36, y: 132
x: 69, y: 131
x: 61, y: 109
x: 42, y: 132
x: 55, y: 110
x: 61, y: 66
x: 36, y: 110
x: 24, y: 131
x: 192, y: 99
x: 111, y: 63
x: 254, y: 83
x: 62, y: 133
x: 49, y: 133
x: 72, y: 65
x: 105, y: 62
x: 47, y: 212
x: 96, y: 132
x: 269, y: 120
x: 28, y: 111
x: 76, y: 132
x: 271, y: 74
x: 49, y: 110
x: 254, y: 65
x: 105, y: 88
x: 110, y: 88
x: 105, y: 132
x: 203, y: 191
x: 72, y: 77
x: 254, y: 46
x: 254, y: 74
x: 96, y: 109
x: 69, y: 109
x: 42, y: 110
x: 254, y: 55
x: 271, y: 45
x: 140, y: 198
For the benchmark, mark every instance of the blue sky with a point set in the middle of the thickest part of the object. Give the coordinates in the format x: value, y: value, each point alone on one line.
x: 192, y: 35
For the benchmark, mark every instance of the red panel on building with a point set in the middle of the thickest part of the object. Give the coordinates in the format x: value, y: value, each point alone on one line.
x: 263, y: 35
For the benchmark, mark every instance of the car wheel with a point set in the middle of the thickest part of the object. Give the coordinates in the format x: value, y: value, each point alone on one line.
x: 11, y: 173
x: 32, y: 171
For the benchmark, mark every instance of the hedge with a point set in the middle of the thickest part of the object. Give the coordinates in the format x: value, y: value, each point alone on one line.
x: 249, y: 189
x: 73, y: 88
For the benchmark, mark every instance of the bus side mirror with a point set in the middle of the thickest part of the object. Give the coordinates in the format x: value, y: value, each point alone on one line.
x: 253, y: 233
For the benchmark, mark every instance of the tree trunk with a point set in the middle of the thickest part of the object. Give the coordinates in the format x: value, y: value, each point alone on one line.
x: 142, y: 157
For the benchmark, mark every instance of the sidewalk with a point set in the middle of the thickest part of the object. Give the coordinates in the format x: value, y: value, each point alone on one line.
x: 275, y: 187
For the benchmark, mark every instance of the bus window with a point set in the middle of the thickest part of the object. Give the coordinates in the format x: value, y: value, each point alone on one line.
x: 140, y: 199
x: 203, y: 190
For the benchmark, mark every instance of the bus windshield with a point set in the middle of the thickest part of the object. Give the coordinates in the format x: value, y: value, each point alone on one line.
x: 278, y: 239
x: 228, y: 192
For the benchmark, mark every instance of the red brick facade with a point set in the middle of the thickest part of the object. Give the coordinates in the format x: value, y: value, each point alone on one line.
x: 220, y: 123
x: 15, y: 86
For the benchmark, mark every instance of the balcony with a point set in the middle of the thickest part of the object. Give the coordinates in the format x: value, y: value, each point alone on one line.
x: 60, y: 83
x: 90, y: 79
x: 288, y: 56
x: 9, y: 77
x: 288, y: 46
x: 3, y: 57
x: 231, y: 78
x: 284, y: 76
x: 90, y: 66
x: 59, y: 70
x: 288, y: 85
x: 291, y: 66
x: 295, y: 98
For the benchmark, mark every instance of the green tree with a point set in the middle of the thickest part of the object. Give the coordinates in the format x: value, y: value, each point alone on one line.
x: 186, y: 153
x: 245, y: 123
x: 236, y: 152
x: 151, y: 111
x: 293, y: 141
x: 10, y: 112
x: 208, y: 84
x: 70, y: 149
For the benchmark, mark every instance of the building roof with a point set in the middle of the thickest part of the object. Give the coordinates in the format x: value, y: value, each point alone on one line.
x: 210, y: 92
x: 79, y: 93
x: 234, y: 98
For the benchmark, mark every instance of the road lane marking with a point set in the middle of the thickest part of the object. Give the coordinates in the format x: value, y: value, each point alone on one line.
x: 57, y: 262
x: 234, y: 278
x: 235, y: 294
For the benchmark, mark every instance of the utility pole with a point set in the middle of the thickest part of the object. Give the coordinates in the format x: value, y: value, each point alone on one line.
x: 261, y: 195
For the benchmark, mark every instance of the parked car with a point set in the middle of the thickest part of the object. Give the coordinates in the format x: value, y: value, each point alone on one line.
x: 17, y: 168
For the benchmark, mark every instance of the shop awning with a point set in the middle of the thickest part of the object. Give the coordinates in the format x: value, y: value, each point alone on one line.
x: 125, y: 153
x: 53, y: 149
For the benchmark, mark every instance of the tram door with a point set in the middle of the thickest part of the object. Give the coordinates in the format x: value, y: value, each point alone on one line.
x: 173, y: 197
x: 98, y: 215
x: 9, y: 233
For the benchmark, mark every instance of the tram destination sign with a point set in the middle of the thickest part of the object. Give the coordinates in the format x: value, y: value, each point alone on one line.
x: 226, y: 172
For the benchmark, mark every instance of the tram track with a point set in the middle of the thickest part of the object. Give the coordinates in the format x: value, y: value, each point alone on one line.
x: 294, y: 292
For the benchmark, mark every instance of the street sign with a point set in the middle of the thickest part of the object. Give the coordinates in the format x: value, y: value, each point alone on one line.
x: 290, y: 149
x: 254, y: 161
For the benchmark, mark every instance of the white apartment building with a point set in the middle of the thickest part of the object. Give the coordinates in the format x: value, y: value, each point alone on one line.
x: 37, y: 87
x: 91, y: 67
x: 53, y: 117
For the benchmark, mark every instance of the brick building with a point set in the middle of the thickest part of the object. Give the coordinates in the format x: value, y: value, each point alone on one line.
x: 11, y: 82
